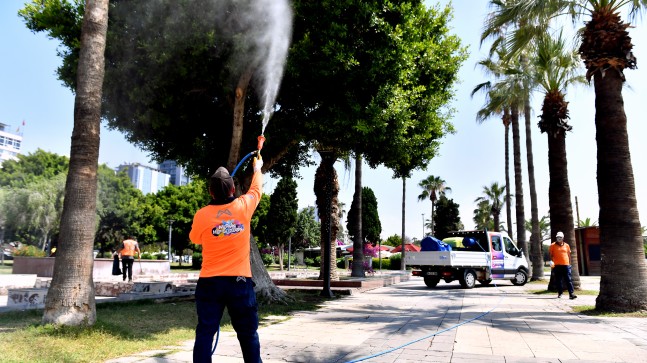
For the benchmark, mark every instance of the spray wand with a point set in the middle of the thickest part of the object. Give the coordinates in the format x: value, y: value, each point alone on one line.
x: 261, y: 140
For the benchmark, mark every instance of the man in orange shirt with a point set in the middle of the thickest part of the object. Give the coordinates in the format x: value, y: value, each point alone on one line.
x: 223, y: 230
x: 560, y: 261
x: 127, y: 253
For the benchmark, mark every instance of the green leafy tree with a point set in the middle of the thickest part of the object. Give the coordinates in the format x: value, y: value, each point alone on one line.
x: 32, y: 212
x: 371, y: 225
x: 179, y: 203
x: 117, y: 201
x: 394, y: 241
x: 282, y: 216
x: 432, y: 188
x: 307, y: 231
x: 606, y: 50
x: 259, y: 220
x: 376, y: 56
x: 447, y: 217
x: 31, y: 167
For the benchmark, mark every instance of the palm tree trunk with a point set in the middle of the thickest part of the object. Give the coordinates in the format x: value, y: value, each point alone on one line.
x: 559, y: 198
x: 403, y: 266
x: 623, y: 284
x: 536, y: 253
x: 327, y: 192
x: 518, y: 183
x: 70, y: 298
x: 358, y: 242
x: 508, y: 199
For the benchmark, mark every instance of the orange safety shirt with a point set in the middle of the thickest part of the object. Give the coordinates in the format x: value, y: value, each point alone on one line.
x: 560, y: 254
x: 128, y: 249
x: 224, y: 232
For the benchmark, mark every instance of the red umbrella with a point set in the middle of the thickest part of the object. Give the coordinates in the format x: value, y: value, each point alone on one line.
x: 408, y: 247
x: 383, y: 248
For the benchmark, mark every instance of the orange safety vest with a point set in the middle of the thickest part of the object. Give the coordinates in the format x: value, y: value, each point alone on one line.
x: 224, y: 232
x: 128, y: 248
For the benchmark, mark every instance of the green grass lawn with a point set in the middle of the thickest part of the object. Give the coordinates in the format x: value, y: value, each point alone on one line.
x: 121, y: 329
x: 7, y: 267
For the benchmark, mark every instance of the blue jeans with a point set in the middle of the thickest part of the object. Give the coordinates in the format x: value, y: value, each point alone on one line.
x: 563, y: 272
x: 212, y: 295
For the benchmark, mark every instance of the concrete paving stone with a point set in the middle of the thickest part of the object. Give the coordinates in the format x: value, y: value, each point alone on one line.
x: 460, y: 357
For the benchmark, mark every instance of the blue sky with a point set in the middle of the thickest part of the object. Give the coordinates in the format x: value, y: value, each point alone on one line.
x: 468, y: 160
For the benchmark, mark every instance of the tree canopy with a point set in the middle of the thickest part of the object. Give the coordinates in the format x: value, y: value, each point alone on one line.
x: 362, y: 75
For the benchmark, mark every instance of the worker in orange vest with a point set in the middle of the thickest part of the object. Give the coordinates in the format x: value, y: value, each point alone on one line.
x: 127, y: 254
x: 222, y: 228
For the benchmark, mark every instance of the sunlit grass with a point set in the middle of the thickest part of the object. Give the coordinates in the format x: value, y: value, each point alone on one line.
x: 7, y: 267
x: 591, y: 311
x: 122, y: 329
x: 577, y: 292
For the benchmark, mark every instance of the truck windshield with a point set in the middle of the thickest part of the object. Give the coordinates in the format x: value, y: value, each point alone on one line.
x: 510, y: 247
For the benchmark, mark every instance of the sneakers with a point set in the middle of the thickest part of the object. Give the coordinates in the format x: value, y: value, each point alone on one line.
x: 573, y: 296
x: 559, y: 296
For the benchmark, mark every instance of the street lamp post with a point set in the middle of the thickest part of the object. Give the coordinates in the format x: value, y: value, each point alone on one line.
x: 170, y: 224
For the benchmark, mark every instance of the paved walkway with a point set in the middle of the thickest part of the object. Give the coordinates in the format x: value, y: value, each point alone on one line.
x: 496, y: 324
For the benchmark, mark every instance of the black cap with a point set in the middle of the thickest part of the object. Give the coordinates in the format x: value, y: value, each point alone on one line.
x: 221, y: 184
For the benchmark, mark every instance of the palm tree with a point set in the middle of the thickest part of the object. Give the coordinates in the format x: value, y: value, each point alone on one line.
x: 606, y: 51
x: 493, y: 196
x: 503, y: 97
x: 432, y: 188
x: 522, y: 98
x: 326, y: 188
x: 483, y: 216
x: 70, y: 298
x: 556, y: 69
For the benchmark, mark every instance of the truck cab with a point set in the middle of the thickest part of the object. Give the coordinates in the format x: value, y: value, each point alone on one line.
x: 474, y: 256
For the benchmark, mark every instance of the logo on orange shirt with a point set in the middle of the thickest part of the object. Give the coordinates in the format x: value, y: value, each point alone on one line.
x: 228, y: 228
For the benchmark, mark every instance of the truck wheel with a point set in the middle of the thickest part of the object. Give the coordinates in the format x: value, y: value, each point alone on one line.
x: 485, y: 282
x: 469, y: 279
x: 520, y: 278
x: 431, y: 281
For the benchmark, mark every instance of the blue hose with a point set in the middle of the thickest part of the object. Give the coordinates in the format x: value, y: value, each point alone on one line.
x: 242, y: 161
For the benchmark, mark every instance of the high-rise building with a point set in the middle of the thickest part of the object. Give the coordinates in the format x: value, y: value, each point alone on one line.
x: 9, y: 143
x: 145, y: 178
x: 177, y: 172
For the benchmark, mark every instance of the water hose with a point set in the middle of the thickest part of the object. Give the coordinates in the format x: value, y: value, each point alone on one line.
x: 261, y: 140
x: 242, y: 161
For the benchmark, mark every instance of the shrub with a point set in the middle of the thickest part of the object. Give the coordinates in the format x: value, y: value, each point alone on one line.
x: 196, y: 263
x: 160, y: 256
x: 395, y: 261
x: 267, y: 259
x: 147, y: 256
x: 341, y: 263
x: 317, y: 261
x: 29, y: 251
x: 285, y: 259
x: 309, y: 261
x: 386, y: 263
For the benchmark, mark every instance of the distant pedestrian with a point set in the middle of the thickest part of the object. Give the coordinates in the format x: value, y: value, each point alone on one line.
x: 127, y: 252
x: 222, y: 228
x: 560, y: 261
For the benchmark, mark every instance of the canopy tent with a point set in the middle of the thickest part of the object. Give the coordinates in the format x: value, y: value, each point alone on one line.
x: 408, y: 247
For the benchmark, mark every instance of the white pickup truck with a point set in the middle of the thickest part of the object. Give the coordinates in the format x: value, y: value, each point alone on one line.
x: 475, y: 256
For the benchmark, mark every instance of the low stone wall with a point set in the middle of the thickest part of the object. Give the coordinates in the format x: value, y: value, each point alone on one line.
x: 16, y: 282
x: 44, y: 267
